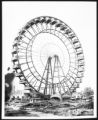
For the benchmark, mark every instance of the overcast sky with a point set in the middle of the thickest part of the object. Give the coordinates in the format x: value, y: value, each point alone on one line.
x: 80, y: 16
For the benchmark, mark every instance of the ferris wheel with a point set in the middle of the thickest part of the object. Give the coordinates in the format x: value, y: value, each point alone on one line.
x: 47, y: 56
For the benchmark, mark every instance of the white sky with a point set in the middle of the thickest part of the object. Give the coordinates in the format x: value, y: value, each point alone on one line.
x: 80, y: 16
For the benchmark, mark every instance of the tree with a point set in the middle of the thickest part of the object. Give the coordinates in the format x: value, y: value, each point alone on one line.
x: 88, y: 91
x: 9, y: 77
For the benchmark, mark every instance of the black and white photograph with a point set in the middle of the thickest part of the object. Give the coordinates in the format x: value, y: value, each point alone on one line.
x: 49, y: 60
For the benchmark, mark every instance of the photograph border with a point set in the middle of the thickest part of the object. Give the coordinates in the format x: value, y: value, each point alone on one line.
x: 27, y: 118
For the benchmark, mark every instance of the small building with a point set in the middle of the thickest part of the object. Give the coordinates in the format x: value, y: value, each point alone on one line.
x: 66, y: 97
x: 88, y: 98
x: 76, y: 95
x: 56, y: 97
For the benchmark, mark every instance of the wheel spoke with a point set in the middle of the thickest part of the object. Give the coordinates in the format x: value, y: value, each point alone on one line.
x: 46, y: 71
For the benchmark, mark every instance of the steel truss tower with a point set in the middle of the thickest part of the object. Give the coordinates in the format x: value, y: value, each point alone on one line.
x: 52, y: 72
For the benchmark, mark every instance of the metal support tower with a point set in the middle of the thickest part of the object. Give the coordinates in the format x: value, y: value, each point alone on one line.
x: 59, y: 74
x: 53, y: 69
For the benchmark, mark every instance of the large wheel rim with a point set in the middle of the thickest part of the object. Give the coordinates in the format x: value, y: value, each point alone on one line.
x: 23, y: 45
